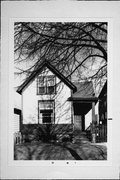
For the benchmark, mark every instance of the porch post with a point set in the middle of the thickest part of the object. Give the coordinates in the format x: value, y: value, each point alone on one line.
x: 83, y: 122
x: 93, y: 123
x: 72, y: 116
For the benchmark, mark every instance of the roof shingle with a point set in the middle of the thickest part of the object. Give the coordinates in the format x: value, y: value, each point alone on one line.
x: 85, y: 92
x: 84, y: 89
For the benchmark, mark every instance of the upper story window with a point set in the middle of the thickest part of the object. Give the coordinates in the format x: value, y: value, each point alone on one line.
x: 45, y: 85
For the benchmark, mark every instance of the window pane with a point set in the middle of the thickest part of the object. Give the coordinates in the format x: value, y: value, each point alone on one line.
x: 51, y: 85
x: 46, y: 117
x: 41, y: 81
x: 41, y: 90
x: 46, y: 105
x: 50, y: 89
x: 50, y: 81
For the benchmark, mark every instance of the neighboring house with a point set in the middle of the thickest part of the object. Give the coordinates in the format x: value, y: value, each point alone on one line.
x: 17, y: 118
x: 103, y: 105
x: 101, y: 117
x: 102, y: 109
x: 17, y: 112
x: 48, y: 97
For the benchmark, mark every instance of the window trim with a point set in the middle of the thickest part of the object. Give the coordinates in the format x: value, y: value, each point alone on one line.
x: 49, y: 100
x: 46, y: 85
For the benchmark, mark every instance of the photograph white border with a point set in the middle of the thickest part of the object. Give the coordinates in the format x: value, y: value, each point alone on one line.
x: 45, y: 13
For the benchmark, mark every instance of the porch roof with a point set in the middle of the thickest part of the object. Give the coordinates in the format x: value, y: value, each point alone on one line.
x: 85, y: 92
x: 83, y: 100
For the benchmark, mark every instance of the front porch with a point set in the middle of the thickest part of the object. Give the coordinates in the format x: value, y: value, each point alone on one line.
x: 81, y: 106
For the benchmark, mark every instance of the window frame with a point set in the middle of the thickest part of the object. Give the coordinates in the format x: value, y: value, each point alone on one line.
x: 46, y: 92
x: 38, y: 86
x: 39, y: 120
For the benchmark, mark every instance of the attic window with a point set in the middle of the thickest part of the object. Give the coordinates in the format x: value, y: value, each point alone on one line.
x: 45, y: 85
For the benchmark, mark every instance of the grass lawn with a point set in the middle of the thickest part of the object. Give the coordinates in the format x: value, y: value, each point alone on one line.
x: 79, y: 150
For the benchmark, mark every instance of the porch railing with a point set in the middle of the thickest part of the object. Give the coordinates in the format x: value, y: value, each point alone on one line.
x: 100, y: 132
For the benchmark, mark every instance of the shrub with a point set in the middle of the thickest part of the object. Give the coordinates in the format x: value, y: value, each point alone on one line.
x: 66, y: 138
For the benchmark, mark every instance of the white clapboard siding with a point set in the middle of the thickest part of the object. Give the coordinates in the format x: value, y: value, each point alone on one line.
x: 16, y: 123
x: 62, y: 110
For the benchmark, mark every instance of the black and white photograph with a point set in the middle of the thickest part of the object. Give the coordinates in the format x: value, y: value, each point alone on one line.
x: 59, y: 113
x: 60, y: 91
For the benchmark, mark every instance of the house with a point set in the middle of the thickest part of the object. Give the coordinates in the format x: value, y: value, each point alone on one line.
x: 103, y: 105
x: 101, y: 125
x: 102, y: 108
x: 17, y: 118
x: 48, y: 97
x: 17, y: 112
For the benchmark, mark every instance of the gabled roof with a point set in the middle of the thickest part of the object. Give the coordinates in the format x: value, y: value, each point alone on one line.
x: 85, y: 92
x: 53, y: 69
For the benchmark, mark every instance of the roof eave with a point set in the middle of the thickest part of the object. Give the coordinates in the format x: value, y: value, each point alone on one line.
x: 48, y: 65
x: 63, y: 78
x: 91, y: 99
x: 19, y: 91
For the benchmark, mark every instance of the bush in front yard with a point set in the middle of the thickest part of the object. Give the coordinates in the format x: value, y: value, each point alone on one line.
x: 45, y: 133
x: 29, y: 132
x: 65, y: 138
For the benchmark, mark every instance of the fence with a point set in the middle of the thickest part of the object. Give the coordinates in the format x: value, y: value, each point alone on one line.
x: 18, y: 139
x: 101, y: 133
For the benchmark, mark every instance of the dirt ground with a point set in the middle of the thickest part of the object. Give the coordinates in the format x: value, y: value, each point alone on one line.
x: 81, y: 149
